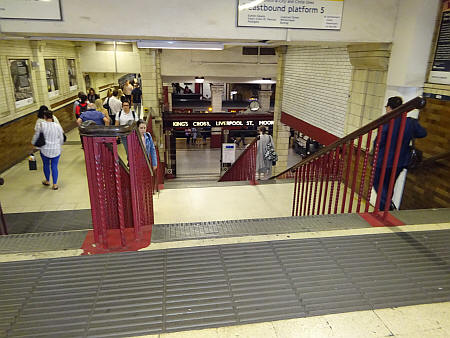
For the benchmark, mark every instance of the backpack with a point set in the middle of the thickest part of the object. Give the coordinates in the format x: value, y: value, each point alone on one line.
x: 107, y: 107
x: 120, y: 113
x: 270, y: 153
x: 83, y: 107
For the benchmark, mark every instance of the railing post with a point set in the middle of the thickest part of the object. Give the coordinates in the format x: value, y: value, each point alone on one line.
x: 363, y: 175
x: 384, y: 165
x: 393, y: 175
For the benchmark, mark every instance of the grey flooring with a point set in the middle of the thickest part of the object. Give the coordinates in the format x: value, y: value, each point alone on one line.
x: 259, y: 226
x: 43, y: 241
x: 48, y: 221
x: 150, y: 292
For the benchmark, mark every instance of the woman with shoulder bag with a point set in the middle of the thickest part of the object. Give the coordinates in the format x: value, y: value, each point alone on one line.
x: 263, y: 164
x: 49, y: 137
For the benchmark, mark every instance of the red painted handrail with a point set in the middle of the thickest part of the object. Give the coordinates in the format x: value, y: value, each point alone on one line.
x: 120, y: 197
x: 336, y: 173
x: 244, y: 168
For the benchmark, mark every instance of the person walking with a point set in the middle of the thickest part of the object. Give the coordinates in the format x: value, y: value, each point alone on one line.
x: 113, y: 105
x: 93, y: 115
x: 148, y: 142
x: 99, y: 107
x: 40, y: 115
x: 92, y: 96
x: 412, y: 130
x: 82, y: 106
x: 263, y: 166
x: 123, y: 117
x: 127, y: 89
x: 51, y: 150
x: 136, y: 97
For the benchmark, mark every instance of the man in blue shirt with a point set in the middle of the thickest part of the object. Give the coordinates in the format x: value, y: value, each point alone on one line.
x: 412, y: 130
x: 91, y: 114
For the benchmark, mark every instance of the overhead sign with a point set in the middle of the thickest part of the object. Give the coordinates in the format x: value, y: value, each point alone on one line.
x: 31, y: 9
x: 440, y: 72
x: 313, y: 14
x: 220, y: 123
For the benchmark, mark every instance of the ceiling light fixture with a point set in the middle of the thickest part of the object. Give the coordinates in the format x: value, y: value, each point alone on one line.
x: 162, y: 44
x: 199, y: 79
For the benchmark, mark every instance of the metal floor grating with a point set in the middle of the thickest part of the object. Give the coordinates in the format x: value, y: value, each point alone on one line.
x: 44, y: 241
x: 258, y: 226
x: 150, y: 292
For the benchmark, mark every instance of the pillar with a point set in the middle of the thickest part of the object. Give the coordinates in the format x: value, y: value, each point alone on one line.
x: 41, y: 95
x: 264, y: 95
x: 412, y: 43
x: 80, y: 78
x: 281, y: 131
x: 151, y: 93
x: 216, y: 97
x: 370, y: 63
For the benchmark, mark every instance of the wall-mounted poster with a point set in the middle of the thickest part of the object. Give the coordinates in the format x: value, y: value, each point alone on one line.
x: 440, y: 71
x: 312, y: 14
x: 31, y: 9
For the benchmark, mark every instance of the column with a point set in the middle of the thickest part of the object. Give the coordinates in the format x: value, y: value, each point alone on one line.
x: 370, y: 64
x: 41, y: 96
x: 411, y: 47
x: 216, y: 97
x: 264, y: 95
x: 80, y: 77
x: 150, y: 91
x: 281, y: 131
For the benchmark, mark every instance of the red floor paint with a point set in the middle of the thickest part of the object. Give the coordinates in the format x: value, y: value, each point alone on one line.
x: 132, y: 244
x: 375, y: 219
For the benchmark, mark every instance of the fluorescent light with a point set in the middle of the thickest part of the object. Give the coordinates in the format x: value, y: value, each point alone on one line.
x: 199, y: 79
x: 250, y: 4
x: 161, y: 44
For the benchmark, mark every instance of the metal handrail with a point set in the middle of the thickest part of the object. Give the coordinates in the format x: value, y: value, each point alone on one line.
x: 416, y: 103
x: 237, y: 161
x: 91, y: 129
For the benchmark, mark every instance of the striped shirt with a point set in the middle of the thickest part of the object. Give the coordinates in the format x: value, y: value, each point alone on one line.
x: 53, y: 134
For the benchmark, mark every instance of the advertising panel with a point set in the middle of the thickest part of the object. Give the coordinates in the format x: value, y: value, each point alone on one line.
x: 440, y: 71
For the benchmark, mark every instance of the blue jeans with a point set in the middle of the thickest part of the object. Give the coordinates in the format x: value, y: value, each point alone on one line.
x: 53, y: 163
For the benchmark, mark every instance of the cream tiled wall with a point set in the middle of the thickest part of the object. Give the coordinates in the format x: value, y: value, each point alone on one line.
x: 36, y: 51
x: 316, y: 86
x: 368, y: 89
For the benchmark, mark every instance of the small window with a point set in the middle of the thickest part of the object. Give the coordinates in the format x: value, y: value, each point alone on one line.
x: 267, y: 51
x: 51, y: 76
x: 72, y: 71
x: 249, y: 50
x: 21, y: 78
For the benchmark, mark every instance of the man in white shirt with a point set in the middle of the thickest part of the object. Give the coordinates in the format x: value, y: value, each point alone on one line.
x: 127, y: 88
x: 113, y: 105
x: 123, y: 117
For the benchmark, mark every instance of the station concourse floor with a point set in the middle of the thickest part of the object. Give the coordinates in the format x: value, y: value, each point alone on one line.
x: 23, y: 193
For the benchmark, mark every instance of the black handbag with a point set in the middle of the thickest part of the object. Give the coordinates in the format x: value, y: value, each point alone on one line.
x: 40, y: 140
x: 415, y: 157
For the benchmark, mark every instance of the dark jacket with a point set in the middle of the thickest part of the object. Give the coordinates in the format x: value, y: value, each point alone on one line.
x: 412, y: 130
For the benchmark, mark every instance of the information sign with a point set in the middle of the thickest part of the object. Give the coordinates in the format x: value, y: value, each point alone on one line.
x: 30, y: 9
x: 312, y: 14
x: 228, y: 152
x: 440, y: 71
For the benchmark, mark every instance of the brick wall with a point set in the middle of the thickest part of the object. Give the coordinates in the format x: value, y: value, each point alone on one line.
x: 429, y: 187
x: 316, y: 86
